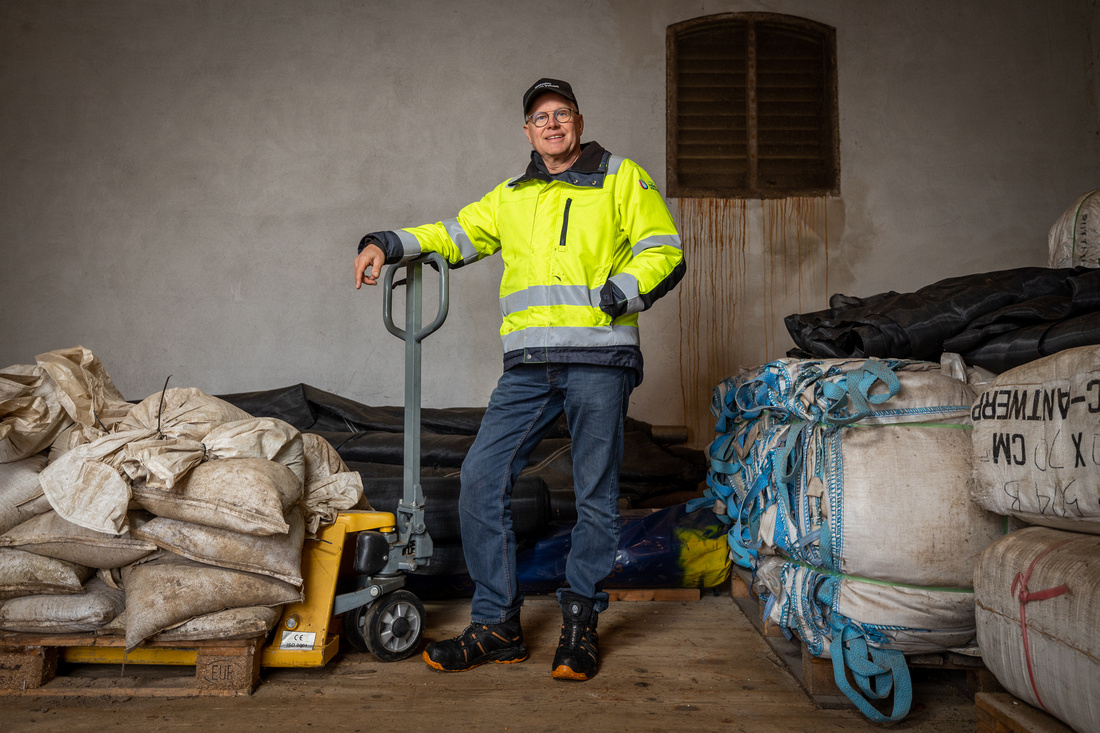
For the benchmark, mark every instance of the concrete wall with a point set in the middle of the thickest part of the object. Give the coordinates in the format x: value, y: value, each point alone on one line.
x: 184, y: 181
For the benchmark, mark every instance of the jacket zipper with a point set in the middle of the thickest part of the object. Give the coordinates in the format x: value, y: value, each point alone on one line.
x: 565, y: 221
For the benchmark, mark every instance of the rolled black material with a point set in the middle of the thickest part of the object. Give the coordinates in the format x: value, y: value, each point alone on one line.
x: 530, y: 504
x: 997, y: 320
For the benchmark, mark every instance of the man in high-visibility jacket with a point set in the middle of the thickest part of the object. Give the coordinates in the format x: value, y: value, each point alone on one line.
x: 588, y: 243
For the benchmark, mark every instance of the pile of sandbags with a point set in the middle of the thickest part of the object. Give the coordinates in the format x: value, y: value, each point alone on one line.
x: 845, y: 483
x: 1036, y: 446
x: 180, y: 515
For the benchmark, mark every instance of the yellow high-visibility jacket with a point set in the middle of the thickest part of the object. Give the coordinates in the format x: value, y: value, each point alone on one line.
x: 584, y: 252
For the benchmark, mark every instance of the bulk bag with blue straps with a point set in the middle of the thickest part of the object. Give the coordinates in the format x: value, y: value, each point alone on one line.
x: 847, y: 480
x: 1036, y: 442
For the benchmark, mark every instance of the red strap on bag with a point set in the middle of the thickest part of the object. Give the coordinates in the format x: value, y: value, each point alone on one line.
x: 1025, y: 596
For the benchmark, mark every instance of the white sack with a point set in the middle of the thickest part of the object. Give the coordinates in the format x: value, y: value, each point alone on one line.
x: 1063, y: 631
x: 330, y: 486
x: 68, y: 614
x: 31, y: 415
x: 50, y: 535
x: 279, y: 555
x: 249, y: 495
x: 21, y: 496
x: 86, y: 487
x: 233, y: 623
x: 1074, y: 240
x: 26, y: 574
x: 170, y: 590
x: 160, y: 462
x: 85, y: 391
x: 1036, y: 442
x: 258, y: 437
x: 181, y: 412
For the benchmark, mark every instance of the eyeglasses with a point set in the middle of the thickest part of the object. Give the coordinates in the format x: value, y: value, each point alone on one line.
x: 562, y: 115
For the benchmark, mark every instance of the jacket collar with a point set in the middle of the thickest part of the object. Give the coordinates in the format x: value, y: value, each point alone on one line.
x: 589, y: 169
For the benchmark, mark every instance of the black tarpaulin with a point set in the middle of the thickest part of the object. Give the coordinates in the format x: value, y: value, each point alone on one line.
x: 997, y: 320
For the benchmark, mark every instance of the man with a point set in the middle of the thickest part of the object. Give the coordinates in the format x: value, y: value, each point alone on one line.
x: 587, y: 243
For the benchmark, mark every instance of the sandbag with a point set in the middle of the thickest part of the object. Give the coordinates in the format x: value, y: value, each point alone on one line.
x: 21, y: 496
x: 181, y: 412
x: 1045, y: 584
x: 169, y: 590
x: 259, y: 437
x: 50, y: 535
x: 85, y: 391
x: 31, y: 415
x: 86, y: 485
x: 1075, y: 237
x: 233, y: 623
x: 24, y: 573
x: 279, y: 555
x: 63, y: 614
x: 249, y: 495
x: 330, y: 486
x: 160, y: 462
x: 1036, y: 442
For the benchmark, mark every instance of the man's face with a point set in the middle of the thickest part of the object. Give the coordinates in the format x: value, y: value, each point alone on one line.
x: 555, y: 141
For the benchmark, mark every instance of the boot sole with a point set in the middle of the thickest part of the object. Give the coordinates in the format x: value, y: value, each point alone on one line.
x: 565, y: 672
x: 440, y: 668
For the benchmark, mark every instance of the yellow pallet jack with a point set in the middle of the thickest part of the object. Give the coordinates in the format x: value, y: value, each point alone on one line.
x: 363, y: 586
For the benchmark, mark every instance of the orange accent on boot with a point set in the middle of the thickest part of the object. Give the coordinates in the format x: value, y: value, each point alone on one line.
x: 565, y: 672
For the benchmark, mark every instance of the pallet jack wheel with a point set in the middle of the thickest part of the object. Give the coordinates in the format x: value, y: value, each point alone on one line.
x: 390, y: 628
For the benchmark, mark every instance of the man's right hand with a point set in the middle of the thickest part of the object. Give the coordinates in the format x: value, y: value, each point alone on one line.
x: 368, y: 265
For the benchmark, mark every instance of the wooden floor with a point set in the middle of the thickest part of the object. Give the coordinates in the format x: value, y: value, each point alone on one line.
x: 665, y: 665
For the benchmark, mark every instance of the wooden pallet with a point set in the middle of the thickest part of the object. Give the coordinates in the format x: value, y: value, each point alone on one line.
x: 29, y: 666
x: 1004, y: 713
x: 816, y: 674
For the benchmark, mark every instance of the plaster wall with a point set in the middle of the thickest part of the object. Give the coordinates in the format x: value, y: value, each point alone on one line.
x: 185, y: 181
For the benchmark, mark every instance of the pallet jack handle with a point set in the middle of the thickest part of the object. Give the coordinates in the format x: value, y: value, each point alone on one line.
x: 414, y: 545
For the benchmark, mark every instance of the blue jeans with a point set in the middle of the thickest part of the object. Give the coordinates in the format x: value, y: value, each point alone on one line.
x: 526, y: 402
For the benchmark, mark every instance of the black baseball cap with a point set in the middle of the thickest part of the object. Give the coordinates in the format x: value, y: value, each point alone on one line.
x: 542, y: 86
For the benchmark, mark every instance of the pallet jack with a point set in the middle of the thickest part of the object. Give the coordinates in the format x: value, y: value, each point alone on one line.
x: 364, y: 587
x: 378, y: 614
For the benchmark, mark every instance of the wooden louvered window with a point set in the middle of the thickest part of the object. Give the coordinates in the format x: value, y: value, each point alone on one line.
x: 752, y: 110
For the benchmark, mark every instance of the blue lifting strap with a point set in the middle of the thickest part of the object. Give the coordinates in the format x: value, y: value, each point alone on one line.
x: 876, y: 672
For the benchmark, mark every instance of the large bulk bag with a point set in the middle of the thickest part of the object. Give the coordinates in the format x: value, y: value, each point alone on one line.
x: 1038, y: 619
x: 50, y: 535
x: 31, y: 414
x: 21, y: 496
x: 1075, y: 238
x: 847, y: 480
x: 98, y: 605
x: 1036, y: 442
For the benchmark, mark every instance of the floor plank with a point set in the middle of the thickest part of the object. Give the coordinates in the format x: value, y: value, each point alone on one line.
x: 665, y: 665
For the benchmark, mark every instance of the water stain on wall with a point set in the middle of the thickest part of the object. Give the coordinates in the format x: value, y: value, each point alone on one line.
x: 750, y: 263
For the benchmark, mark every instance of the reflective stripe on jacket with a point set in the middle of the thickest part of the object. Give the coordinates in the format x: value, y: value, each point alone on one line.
x: 584, y: 252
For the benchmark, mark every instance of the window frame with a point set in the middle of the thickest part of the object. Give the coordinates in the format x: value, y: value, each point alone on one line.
x: 827, y: 34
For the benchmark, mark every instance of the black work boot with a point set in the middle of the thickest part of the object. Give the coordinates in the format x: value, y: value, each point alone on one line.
x: 578, y: 645
x: 477, y: 644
